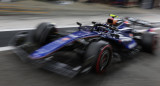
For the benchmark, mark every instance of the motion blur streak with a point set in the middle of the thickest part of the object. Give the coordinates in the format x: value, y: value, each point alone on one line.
x: 22, y: 11
x: 22, y: 15
x: 6, y: 48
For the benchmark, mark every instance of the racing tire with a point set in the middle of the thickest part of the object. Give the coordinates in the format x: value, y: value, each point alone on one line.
x: 101, y: 52
x: 19, y: 39
x: 149, y: 42
x: 42, y: 31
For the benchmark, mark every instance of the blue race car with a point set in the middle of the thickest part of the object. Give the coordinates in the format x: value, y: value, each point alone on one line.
x: 89, y: 48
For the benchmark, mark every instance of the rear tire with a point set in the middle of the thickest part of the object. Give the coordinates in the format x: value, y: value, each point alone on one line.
x: 149, y: 42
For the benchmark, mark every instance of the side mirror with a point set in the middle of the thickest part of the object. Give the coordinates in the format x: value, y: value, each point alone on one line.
x: 93, y: 22
x: 115, y: 35
x: 80, y: 24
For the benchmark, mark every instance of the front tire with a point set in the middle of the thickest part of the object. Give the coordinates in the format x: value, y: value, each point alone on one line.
x: 104, y: 59
x: 101, y: 54
x: 42, y: 32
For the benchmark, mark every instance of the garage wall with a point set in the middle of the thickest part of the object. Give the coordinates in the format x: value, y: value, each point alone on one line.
x: 156, y: 3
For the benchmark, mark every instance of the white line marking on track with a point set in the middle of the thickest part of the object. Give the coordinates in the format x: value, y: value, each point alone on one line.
x: 156, y: 28
x: 6, y: 48
x: 4, y: 30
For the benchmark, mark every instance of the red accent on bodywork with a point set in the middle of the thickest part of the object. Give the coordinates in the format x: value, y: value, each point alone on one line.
x: 151, y: 30
x: 126, y: 22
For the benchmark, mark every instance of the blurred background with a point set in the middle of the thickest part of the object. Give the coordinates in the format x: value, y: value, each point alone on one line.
x: 19, y: 15
x: 71, y: 10
x: 75, y: 10
x: 148, y: 4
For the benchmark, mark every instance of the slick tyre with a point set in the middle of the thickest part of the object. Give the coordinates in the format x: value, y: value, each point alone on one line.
x: 42, y: 31
x: 149, y: 42
x: 101, y: 52
x: 19, y: 39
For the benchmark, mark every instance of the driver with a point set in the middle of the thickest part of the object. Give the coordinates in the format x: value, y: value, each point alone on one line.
x: 114, y: 22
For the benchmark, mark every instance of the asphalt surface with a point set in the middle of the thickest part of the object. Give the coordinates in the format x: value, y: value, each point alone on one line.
x: 143, y: 70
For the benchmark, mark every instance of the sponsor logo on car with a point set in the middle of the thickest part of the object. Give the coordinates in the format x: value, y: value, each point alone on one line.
x: 65, y: 39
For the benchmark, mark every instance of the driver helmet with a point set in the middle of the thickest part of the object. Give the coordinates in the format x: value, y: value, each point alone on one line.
x: 112, y: 21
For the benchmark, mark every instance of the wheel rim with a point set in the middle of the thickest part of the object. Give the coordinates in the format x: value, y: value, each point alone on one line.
x: 104, y: 60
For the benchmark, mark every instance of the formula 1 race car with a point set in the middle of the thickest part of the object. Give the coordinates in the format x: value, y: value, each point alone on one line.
x: 89, y: 48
